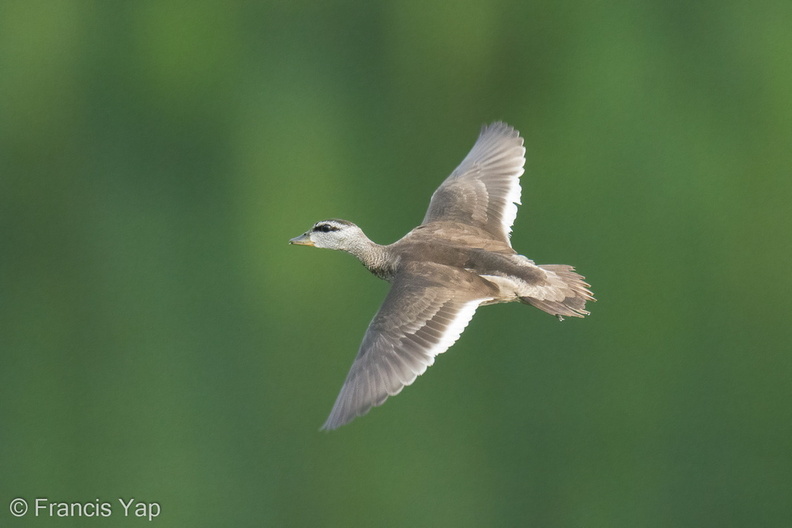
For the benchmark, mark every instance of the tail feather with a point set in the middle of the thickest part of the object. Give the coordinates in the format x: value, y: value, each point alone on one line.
x: 571, y: 292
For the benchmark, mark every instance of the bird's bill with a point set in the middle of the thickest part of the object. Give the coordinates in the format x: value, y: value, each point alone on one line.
x: 302, y: 240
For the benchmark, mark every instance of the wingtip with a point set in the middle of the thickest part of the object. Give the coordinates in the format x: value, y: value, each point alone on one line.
x: 330, y: 425
x: 501, y: 126
x: 337, y: 419
x: 333, y: 422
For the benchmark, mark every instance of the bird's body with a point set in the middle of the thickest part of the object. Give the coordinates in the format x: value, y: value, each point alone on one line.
x: 458, y: 259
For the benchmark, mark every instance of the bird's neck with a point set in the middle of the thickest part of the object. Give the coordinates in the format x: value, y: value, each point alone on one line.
x: 373, y: 256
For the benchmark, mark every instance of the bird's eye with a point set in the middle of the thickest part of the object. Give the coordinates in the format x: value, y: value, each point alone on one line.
x: 325, y: 228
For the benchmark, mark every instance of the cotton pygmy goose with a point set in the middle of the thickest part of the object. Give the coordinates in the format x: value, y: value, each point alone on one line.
x: 458, y: 259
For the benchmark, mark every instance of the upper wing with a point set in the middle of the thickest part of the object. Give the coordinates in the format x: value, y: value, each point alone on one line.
x: 424, y: 313
x: 485, y: 189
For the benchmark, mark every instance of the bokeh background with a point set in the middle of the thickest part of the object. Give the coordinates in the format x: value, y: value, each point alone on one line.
x: 161, y: 341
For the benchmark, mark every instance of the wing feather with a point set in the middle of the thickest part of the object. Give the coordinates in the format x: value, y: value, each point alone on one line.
x: 419, y: 319
x: 484, y: 190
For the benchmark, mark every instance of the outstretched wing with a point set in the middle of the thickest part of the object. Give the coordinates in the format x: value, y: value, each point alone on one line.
x: 484, y: 190
x: 424, y: 313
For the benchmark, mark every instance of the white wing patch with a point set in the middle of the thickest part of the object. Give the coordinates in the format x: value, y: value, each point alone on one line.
x: 512, y: 201
x: 453, y: 330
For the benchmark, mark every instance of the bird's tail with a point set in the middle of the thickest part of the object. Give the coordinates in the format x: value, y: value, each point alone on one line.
x: 567, y: 294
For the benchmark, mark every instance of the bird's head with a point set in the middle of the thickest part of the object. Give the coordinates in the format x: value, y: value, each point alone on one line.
x: 331, y: 234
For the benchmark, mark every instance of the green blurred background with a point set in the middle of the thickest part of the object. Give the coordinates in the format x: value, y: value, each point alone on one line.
x: 160, y: 340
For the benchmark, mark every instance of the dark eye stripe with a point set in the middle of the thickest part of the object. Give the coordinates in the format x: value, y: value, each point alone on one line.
x: 325, y: 228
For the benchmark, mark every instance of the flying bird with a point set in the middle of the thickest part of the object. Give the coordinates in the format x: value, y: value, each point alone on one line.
x: 458, y: 259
